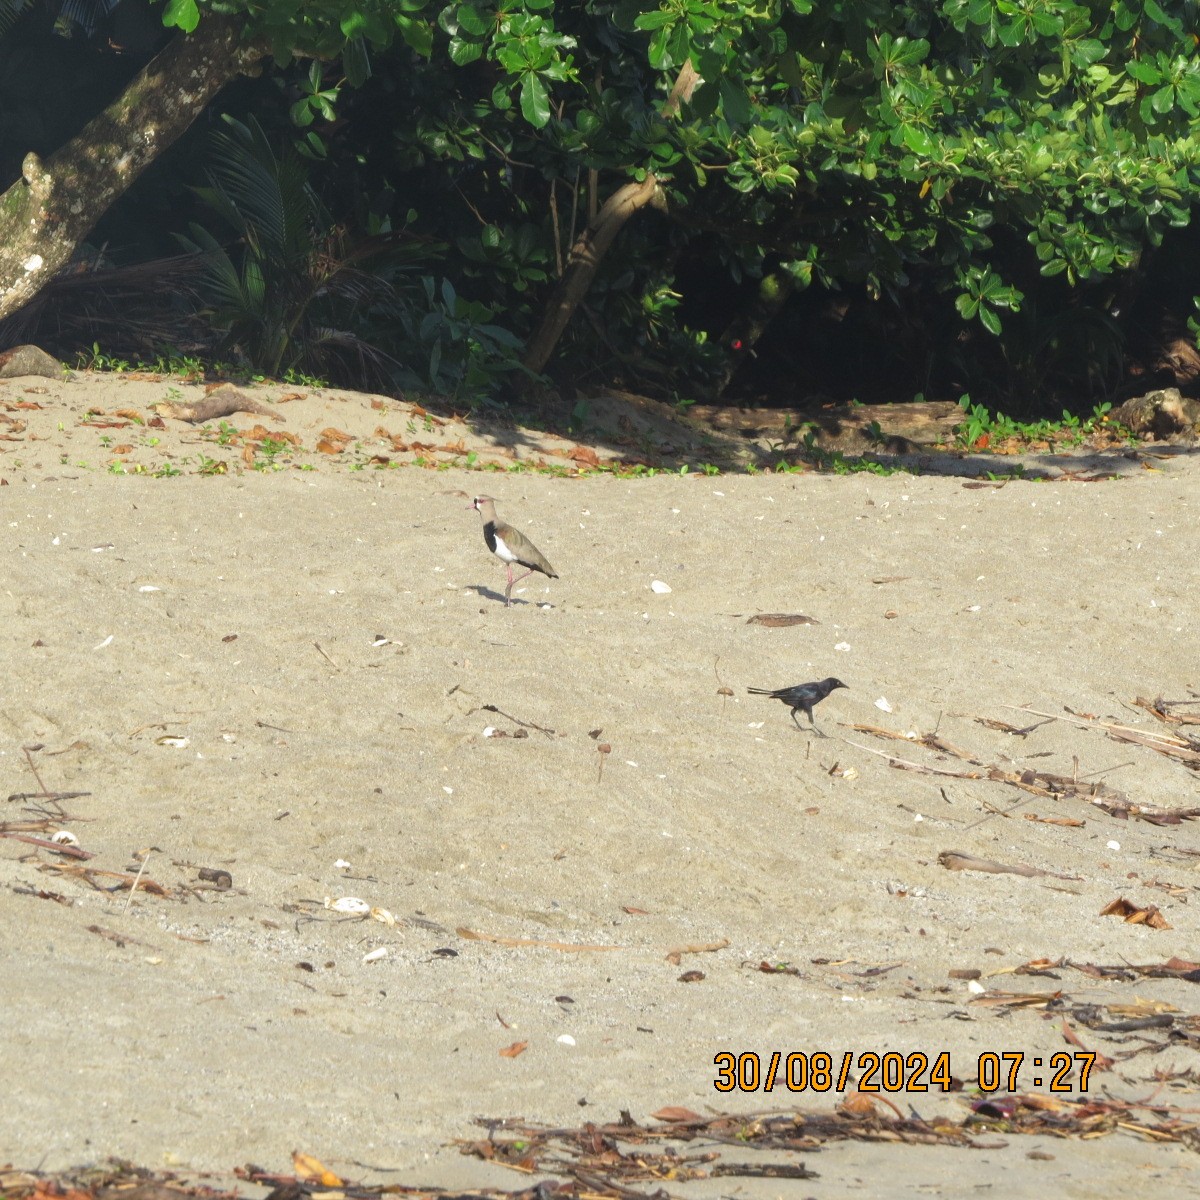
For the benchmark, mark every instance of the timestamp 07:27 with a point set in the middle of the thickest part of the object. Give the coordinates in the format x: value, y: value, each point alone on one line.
x: 891, y: 1071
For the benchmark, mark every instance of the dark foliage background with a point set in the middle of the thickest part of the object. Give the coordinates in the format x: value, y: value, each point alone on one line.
x: 861, y: 201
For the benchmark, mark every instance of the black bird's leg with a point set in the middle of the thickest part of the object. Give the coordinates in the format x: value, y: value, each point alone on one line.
x: 808, y: 713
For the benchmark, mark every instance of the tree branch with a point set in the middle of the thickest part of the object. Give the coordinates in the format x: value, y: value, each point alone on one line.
x: 582, y: 263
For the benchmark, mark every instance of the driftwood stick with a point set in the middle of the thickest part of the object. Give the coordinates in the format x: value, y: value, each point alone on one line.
x: 904, y: 764
x: 46, y: 844
x: 1162, y: 737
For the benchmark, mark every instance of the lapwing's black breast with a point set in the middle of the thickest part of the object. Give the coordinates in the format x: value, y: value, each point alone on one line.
x: 489, y: 535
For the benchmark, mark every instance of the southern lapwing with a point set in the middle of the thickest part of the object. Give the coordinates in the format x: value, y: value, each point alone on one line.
x: 801, y: 697
x: 509, y: 545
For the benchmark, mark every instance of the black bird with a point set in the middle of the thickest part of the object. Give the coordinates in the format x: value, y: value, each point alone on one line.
x: 802, y: 696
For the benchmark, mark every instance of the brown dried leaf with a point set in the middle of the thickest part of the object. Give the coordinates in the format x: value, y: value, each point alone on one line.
x: 514, y: 1050
x: 1015, y: 999
x: 779, y: 969
x: 674, y: 956
x: 1131, y: 914
x: 678, y: 1115
x: 634, y: 912
x: 1068, y: 822
x: 1140, y: 1008
x: 692, y: 977
x: 1183, y: 965
x: 1042, y: 1103
x: 474, y: 936
x: 1101, y: 1062
x: 584, y: 455
x: 955, y: 860
x: 310, y: 1168
x: 781, y: 620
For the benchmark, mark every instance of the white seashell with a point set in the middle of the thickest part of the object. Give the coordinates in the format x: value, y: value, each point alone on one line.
x: 976, y: 988
x: 882, y: 703
x: 1113, y: 845
x: 64, y: 837
x: 565, y: 1039
x: 348, y: 904
x: 657, y: 585
x: 382, y: 915
x: 376, y: 955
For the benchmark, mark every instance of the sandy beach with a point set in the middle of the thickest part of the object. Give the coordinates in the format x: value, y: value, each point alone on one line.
x: 304, y: 676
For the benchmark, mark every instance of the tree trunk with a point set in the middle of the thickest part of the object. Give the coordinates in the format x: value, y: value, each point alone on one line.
x: 585, y: 257
x: 45, y: 215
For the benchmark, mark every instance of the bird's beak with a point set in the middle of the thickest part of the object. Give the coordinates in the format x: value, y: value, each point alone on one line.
x: 472, y: 505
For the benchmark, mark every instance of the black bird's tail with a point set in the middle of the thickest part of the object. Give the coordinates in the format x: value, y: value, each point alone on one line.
x: 762, y: 691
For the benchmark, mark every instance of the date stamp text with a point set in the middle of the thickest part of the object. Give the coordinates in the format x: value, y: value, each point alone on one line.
x: 891, y: 1071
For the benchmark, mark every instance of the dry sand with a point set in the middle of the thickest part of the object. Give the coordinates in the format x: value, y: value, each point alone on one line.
x: 246, y: 612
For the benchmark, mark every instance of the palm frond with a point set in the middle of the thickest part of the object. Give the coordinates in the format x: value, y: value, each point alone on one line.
x: 10, y: 10
x: 86, y: 14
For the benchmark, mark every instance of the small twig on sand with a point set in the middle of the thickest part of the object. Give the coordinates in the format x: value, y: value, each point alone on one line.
x: 29, y: 759
x: 277, y: 728
x: 1168, y: 738
x: 724, y: 691
x: 137, y: 880
x: 906, y: 765
x: 1000, y: 812
x: 326, y: 656
x: 517, y: 720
